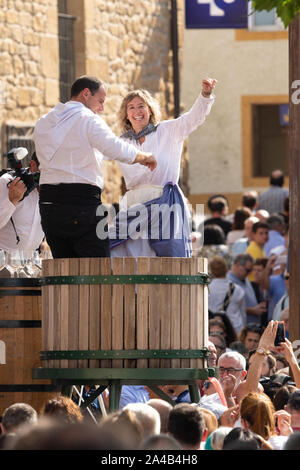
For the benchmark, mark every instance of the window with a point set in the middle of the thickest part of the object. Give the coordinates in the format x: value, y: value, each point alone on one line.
x: 264, y: 20
x: 264, y: 137
x: 66, y: 51
x: 270, y: 140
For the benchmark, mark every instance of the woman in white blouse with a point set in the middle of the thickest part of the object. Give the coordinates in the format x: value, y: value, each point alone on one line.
x: 139, y: 119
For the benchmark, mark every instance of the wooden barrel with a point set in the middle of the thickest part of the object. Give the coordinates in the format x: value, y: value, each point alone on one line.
x: 20, y: 344
x: 101, y: 312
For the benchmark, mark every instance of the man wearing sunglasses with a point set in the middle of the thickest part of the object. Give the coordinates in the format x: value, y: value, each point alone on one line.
x: 232, y: 371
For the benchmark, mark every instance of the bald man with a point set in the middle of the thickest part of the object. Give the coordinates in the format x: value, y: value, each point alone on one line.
x: 272, y: 199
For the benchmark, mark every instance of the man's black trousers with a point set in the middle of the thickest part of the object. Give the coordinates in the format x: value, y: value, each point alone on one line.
x: 69, y: 220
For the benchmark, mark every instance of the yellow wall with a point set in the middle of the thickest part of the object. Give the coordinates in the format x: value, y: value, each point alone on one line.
x: 245, y: 65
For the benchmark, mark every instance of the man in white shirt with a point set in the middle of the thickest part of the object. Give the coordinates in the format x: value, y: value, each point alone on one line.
x: 223, y: 296
x: 70, y: 142
x: 20, y: 222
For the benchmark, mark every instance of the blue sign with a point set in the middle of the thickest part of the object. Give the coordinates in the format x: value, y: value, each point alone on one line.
x: 216, y: 14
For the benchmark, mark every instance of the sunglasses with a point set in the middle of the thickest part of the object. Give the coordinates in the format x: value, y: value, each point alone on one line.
x: 230, y: 370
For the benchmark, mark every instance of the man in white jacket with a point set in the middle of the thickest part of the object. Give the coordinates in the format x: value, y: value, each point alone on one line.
x: 70, y: 143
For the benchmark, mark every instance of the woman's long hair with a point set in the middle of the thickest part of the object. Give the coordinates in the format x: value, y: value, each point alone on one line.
x: 258, y: 410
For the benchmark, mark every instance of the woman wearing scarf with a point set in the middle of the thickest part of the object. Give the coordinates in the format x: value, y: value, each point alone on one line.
x: 139, y: 229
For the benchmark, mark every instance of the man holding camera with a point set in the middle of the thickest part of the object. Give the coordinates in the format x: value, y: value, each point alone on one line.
x: 20, y: 222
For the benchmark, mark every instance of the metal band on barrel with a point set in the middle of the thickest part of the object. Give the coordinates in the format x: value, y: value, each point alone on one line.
x: 201, y: 278
x: 127, y: 354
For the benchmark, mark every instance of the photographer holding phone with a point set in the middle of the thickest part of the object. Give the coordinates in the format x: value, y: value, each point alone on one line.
x: 272, y: 339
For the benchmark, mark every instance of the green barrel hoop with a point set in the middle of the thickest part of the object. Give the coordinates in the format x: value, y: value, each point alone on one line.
x: 127, y: 354
x: 201, y: 278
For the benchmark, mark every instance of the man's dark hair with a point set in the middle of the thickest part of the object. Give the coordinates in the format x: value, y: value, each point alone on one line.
x: 249, y: 200
x: 260, y: 262
x: 241, y: 214
x: 294, y: 400
x: 293, y: 442
x: 282, y: 395
x: 275, y: 221
x: 243, y: 259
x: 92, y: 83
x: 217, y: 204
x: 221, y: 338
x: 259, y: 225
x: 18, y: 414
x: 241, y: 439
x: 186, y: 424
x: 214, y: 235
x: 277, y: 180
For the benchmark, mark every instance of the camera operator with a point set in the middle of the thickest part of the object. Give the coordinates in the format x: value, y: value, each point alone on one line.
x: 20, y: 223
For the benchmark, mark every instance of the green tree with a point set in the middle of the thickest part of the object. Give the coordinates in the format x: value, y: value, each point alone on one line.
x: 285, y: 9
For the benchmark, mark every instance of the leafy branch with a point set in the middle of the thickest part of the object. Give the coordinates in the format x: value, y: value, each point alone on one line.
x: 285, y: 9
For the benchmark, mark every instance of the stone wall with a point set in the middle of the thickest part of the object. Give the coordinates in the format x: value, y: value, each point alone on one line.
x: 126, y: 44
x: 29, y: 69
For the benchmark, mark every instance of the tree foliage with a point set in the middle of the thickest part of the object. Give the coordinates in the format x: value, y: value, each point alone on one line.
x: 285, y: 9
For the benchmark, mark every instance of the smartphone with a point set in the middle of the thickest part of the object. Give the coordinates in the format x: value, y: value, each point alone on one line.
x: 280, y: 334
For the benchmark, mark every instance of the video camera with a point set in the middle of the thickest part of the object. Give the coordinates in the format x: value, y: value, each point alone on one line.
x: 274, y: 383
x: 31, y: 180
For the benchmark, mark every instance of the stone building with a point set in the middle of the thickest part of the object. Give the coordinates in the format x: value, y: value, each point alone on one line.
x: 45, y: 44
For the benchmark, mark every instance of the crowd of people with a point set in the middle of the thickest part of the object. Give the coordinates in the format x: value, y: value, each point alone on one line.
x: 248, y: 256
x: 255, y: 405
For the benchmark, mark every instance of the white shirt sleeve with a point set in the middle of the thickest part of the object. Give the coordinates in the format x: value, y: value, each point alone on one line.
x: 181, y: 127
x: 102, y: 138
x: 7, y: 208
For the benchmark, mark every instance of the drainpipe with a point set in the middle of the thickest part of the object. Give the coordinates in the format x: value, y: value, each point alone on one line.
x: 174, y: 45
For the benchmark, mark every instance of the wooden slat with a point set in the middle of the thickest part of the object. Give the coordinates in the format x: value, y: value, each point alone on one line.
x: 73, y: 324
x: 106, y: 305
x: 175, y: 302
x: 154, y: 312
x: 95, y: 312
x: 19, y: 350
x: 165, y: 311
x: 117, y: 311
x: 203, y: 309
x: 45, y: 310
x: 64, y: 310
x: 142, y: 311
x: 57, y: 312
x: 84, y: 267
x: 129, y: 311
x: 52, y: 315
x: 185, y: 312
x: 195, y: 332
